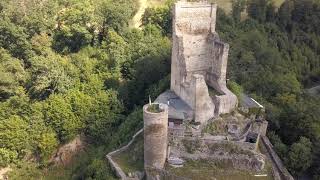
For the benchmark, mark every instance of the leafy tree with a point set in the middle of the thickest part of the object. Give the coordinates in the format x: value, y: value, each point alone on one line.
x: 15, y: 40
x: 238, y: 6
x: 50, y: 73
x: 157, y: 88
x: 316, y: 161
x: 105, y: 116
x: 299, y: 156
x: 14, y: 135
x: 43, y: 138
x: 35, y: 16
x: 285, y: 13
x: 76, y: 26
x: 80, y: 103
x: 257, y: 9
x: 148, y: 71
x: 160, y: 17
x: 47, y: 144
x: 41, y: 44
x: 131, y: 124
x: 58, y: 114
x: 12, y: 75
x: 300, y: 119
x: 235, y: 88
x: 7, y: 157
x: 117, y: 49
x: 114, y: 15
x: 97, y: 169
x: 278, y: 145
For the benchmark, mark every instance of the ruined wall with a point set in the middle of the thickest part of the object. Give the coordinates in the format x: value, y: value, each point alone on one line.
x: 194, y: 18
x: 197, y: 50
x: 155, y: 137
x: 192, y: 23
x: 204, y: 106
x: 225, y: 103
x: 277, y: 164
x: 219, y: 62
x: 216, y: 78
x: 237, y: 155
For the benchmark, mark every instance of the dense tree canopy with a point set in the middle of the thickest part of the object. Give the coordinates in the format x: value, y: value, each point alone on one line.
x: 275, y: 56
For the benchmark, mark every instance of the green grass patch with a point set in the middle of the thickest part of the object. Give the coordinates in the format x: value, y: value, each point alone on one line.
x: 217, y: 127
x: 213, y: 92
x: 154, y: 108
x: 229, y: 148
x: 191, y: 145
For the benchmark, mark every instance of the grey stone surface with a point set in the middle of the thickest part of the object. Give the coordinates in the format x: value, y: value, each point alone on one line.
x: 248, y: 102
x: 178, y: 109
x: 155, y: 138
x: 314, y: 91
x: 239, y: 155
x: 278, y: 165
x: 199, y: 61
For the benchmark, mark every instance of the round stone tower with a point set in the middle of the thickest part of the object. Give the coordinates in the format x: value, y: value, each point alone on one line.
x: 155, y: 117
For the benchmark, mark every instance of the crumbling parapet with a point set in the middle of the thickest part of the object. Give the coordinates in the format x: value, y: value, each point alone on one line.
x: 155, y: 117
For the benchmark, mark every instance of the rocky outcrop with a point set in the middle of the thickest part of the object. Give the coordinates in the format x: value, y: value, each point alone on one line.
x: 65, y: 153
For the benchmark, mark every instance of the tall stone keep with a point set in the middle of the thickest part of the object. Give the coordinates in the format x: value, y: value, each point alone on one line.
x: 155, y: 136
x: 199, y: 61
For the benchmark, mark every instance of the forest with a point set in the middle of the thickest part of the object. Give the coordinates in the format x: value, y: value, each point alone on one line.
x: 73, y: 68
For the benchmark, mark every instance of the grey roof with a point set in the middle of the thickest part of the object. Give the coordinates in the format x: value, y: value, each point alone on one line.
x: 178, y: 109
x: 314, y: 91
x: 248, y: 102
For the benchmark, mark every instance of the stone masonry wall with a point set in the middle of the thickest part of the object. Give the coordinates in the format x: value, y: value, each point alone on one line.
x: 204, y: 106
x: 155, y: 137
x: 197, y: 51
x: 278, y: 166
x: 117, y: 169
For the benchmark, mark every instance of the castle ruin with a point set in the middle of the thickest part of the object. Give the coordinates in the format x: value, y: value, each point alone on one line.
x: 199, y: 62
x: 176, y: 124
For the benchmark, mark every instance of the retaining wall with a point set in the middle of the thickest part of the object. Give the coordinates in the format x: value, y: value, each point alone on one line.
x: 117, y: 169
x: 278, y: 166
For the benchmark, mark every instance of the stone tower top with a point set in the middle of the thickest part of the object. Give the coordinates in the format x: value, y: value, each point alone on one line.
x: 194, y: 17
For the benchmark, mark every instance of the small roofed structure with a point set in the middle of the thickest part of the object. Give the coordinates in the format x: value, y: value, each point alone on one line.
x: 178, y: 109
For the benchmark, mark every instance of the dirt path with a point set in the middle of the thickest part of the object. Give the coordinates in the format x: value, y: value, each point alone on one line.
x: 136, y: 21
x: 4, y: 171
